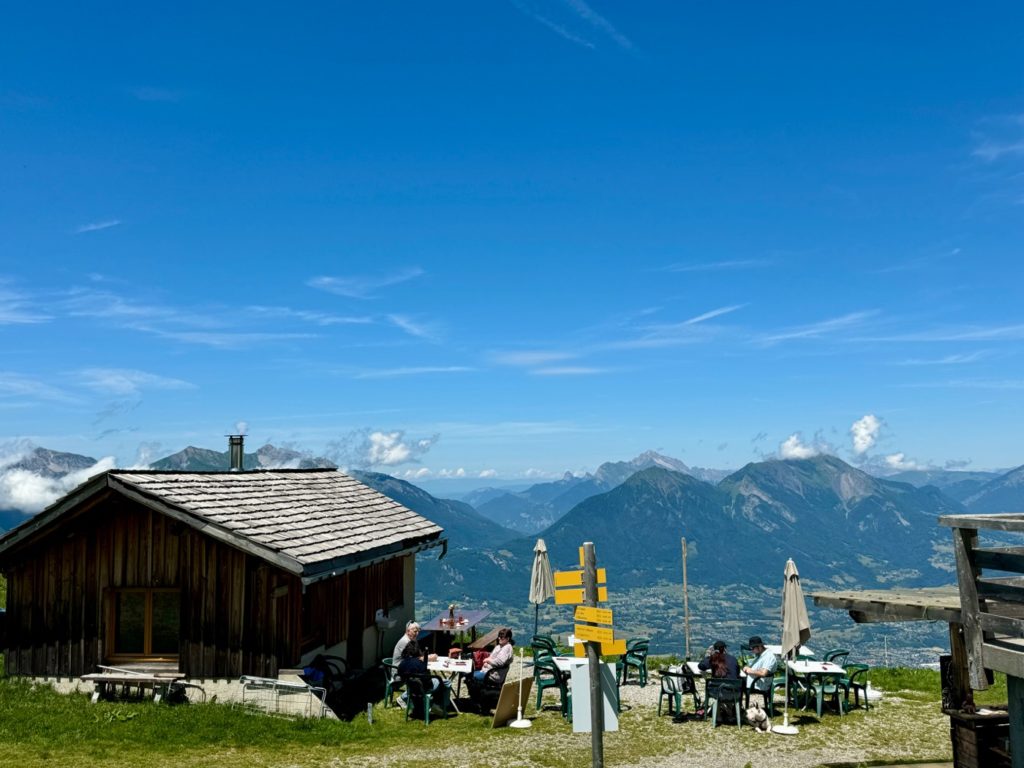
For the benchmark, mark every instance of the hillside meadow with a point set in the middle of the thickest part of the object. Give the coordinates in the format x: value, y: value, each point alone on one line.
x: 39, y: 727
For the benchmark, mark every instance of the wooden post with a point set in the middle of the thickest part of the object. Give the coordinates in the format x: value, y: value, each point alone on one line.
x: 686, y: 604
x: 964, y: 541
x: 593, y: 659
x: 960, y: 686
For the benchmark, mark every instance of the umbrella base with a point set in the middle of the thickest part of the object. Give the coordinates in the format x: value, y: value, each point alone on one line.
x: 785, y: 730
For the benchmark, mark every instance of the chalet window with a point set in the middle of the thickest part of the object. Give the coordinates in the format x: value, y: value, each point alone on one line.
x: 145, y: 623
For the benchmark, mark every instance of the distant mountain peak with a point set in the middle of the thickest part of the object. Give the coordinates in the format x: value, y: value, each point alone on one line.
x: 653, y: 458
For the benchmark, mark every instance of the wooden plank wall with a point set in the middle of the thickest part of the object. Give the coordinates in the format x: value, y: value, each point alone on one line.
x: 59, y: 588
x: 239, y: 615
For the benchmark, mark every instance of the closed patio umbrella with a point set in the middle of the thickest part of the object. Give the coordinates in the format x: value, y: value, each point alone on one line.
x: 542, y: 586
x: 796, y: 629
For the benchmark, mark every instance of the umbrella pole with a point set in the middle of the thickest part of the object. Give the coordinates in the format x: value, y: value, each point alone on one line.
x: 520, y: 721
x: 536, y: 617
x: 786, y: 729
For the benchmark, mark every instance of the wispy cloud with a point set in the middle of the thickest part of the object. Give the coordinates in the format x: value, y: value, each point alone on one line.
x: 572, y: 20
x: 958, y: 333
x: 20, y: 386
x: 820, y: 329
x: 690, y: 331
x: 991, y: 384
x: 414, y: 328
x: 948, y: 359
x: 97, y: 226
x: 126, y: 381
x: 998, y: 137
x: 362, y: 286
x: 309, y: 316
x: 530, y: 358
x: 569, y: 370
x: 151, y: 93
x: 388, y: 373
x: 719, y: 266
x: 227, y: 339
x: 18, y: 309
x: 599, y: 22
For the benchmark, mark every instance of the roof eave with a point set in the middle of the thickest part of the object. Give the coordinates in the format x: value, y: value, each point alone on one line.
x: 328, y: 569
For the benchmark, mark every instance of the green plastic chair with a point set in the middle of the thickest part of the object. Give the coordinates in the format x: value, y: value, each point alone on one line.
x: 419, y: 694
x: 547, y: 675
x: 776, y: 681
x: 636, y: 657
x: 855, y: 681
x: 545, y: 642
x: 723, y: 691
x: 675, y: 683
x: 392, y: 682
x: 837, y: 656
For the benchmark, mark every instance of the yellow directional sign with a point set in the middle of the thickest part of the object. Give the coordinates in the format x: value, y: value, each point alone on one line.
x: 575, y: 578
x: 581, y: 557
x: 596, y: 615
x: 613, y: 648
x: 576, y: 596
x: 569, y: 596
x: 595, y: 634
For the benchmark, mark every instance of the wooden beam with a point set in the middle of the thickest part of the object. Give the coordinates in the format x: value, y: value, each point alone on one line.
x: 964, y: 540
x: 1000, y: 558
x: 1010, y: 521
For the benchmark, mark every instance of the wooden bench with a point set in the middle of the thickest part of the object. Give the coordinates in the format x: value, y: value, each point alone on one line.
x: 161, y: 683
x: 483, y: 641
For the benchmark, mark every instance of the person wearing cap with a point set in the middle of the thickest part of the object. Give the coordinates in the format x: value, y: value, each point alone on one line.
x: 720, y: 662
x: 760, y: 673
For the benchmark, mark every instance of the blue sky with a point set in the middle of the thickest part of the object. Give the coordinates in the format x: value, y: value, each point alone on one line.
x: 515, y: 238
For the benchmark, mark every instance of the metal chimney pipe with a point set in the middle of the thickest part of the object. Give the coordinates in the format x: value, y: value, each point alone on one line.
x: 236, y: 452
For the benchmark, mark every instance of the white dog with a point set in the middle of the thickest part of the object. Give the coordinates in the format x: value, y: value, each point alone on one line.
x: 758, y: 718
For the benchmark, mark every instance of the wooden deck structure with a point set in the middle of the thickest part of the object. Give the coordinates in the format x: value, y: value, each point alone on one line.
x: 990, y: 575
x: 222, y: 573
x: 985, y: 613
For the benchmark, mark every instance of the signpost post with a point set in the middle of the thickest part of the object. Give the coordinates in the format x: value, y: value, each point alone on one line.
x: 593, y: 658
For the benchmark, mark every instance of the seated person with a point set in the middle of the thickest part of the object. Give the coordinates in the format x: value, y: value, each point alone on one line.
x: 412, y: 631
x: 414, y: 665
x: 720, y: 662
x: 760, y: 673
x: 500, y: 659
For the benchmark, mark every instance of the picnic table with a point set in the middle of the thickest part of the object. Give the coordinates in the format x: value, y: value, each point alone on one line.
x: 108, y: 679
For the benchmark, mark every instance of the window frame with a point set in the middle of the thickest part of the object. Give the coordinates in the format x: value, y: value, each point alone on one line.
x: 147, y: 621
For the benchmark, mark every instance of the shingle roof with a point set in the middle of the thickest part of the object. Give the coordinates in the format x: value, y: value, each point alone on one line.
x: 305, y: 520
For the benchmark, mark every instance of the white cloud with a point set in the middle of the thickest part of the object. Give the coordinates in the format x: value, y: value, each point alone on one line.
x: 18, y: 385
x: 97, y: 226
x: 24, y: 490
x: 569, y: 370
x: 362, y: 286
x: 16, y: 309
x: 716, y: 266
x: 388, y: 373
x: 417, y: 474
x: 531, y: 358
x: 793, y: 448
x: 125, y: 381
x: 900, y: 462
x: 487, y: 473
x: 948, y: 359
x: 822, y: 328
x: 460, y: 472
x: 713, y: 313
x: 864, y: 432
x: 413, y: 327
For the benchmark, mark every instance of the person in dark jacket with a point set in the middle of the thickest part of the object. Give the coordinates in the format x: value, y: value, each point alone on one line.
x: 720, y: 662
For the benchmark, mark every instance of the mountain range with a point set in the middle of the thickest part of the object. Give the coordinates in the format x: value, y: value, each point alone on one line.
x: 539, y: 506
x: 845, y: 528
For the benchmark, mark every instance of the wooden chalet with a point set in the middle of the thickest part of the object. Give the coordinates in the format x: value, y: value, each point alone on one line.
x: 222, y: 573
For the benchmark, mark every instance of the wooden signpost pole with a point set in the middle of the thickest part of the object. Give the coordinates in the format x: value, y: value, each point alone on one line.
x: 593, y: 659
x: 686, y: 605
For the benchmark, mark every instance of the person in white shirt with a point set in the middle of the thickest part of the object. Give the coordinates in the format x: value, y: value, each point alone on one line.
x: 760, y: 673
x: 500, y: 657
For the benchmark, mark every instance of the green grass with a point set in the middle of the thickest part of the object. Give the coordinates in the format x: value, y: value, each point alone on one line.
x: 41, y: 727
